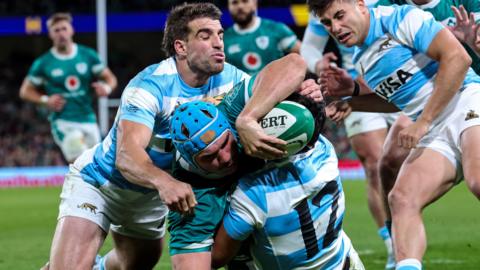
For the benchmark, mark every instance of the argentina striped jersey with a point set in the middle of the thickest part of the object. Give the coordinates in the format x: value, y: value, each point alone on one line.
x: 294, y: 210
x: 149, y: 99
x: 393, y: 58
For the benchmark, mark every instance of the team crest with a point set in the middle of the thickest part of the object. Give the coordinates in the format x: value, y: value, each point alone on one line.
x: 252, y: 60
x: 235, y: 48
x: 57, y: 72
x: 471, y: 115
x: 72, y: 83
x: 81, y: 68
x: 262, y: 42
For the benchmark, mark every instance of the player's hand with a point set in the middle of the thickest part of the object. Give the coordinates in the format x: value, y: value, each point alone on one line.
x: 258, y: 144
x: 102, y: 89
x: 466, y: 29
x: 177, y: 195
x: 336, y: 82
x: 56, y: 102
x: 309, y: 88
x: 410, y: 136
x: 338, y: 110
x: 325, y: 62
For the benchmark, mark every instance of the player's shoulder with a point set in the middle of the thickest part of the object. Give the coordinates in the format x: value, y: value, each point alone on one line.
x: 229, y: 31
x: 271, y: 23
x: 156, y: 76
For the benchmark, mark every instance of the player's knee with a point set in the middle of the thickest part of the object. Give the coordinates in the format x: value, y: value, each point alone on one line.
x: 399, y: 201
x: 473, y: 183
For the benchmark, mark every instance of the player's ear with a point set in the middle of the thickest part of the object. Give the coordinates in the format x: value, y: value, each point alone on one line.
x: 180, y: 47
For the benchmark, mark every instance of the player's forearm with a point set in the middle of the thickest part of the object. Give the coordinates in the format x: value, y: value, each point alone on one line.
x: 312, y: 49
x: 371, y: 103
x: 275, y: 82
x: 451, y: 73
x: 137, y: 167
x: 29, y: 93
x: 109, y: 78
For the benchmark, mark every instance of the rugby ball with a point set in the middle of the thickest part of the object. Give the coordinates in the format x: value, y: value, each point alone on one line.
x: 291, y: 122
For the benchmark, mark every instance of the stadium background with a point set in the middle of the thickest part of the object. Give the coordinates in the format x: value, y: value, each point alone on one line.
x: 28, y: 156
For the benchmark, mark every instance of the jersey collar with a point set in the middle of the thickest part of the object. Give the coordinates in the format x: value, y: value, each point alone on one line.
x: 61, y: 56
x: 252, y: 29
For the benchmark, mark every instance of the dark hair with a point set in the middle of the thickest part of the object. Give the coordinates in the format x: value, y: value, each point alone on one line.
x: 57, y: 17
x: 176, y: 26
x: 319, y: 6
x: 318, y: 111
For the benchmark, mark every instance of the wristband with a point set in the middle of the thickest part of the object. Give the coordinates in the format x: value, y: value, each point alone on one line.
x: 44, y: 99
x: 356, y: 89
x: 108, y: 88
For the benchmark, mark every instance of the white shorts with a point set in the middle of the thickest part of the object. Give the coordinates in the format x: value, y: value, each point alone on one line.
x: 126, y: 212
x: 361, y: 122
x: 73, y: 137
x: 445, y: 133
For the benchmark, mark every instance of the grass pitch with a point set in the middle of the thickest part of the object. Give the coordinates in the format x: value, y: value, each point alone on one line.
x: 28, y: 218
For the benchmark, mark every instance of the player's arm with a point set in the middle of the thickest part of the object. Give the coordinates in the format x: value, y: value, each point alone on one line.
x: 296, y: 47
x: 337, y: 82
x: 313, y: 45
x: 136, y: 166
x: 273, y: 84
x: 107, y: 83
x: 224, y: 248
x: 29, y: 92
x: 453, y: 66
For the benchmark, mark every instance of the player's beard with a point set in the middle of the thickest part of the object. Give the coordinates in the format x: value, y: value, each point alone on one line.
x: 244, y: 22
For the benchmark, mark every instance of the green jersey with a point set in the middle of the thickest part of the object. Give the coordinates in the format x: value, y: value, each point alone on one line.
x: 252, y: 49
x: 69, y: 76
x: 442, y: 12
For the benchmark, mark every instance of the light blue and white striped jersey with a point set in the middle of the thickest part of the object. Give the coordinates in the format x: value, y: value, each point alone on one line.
x: 294, y: 210
x: 149, y: 99
x: 393, y: 58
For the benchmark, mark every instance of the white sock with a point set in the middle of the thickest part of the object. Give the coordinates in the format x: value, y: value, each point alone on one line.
x: 409, y: 264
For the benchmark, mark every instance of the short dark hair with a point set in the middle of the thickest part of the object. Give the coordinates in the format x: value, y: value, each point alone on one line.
x: 318, y: 111
x: 57, y: 17
x: 176, y: 26
x: 319, y: 6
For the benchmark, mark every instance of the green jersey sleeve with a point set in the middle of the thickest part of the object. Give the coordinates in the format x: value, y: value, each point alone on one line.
x: 36, y: 74
x: 97, y: 66
x: 288, y: 37
x: 234, y: 100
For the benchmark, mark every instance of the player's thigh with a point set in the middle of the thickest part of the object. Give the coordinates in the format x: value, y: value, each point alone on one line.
x: 75, y: 244
x: 425, y: 176
x: 471, y: 158
x: 187, y: 261
x: 368, y: 145
x: 391, y: 142
x: 136, y: 253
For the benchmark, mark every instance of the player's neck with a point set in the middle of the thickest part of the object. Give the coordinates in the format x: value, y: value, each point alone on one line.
x: 249, y: 25
x: 189, y: 76
x: 65, y: 50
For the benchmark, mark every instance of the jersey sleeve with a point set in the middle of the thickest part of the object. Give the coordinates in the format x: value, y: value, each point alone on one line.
x: 243, y: 215
x: 287, y: 37
x: 97, y: 65
x: 234, y: 100
x: 411, y: 26
x: 140, y: 104
x: 35, y: 74
x: 314, y: 42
